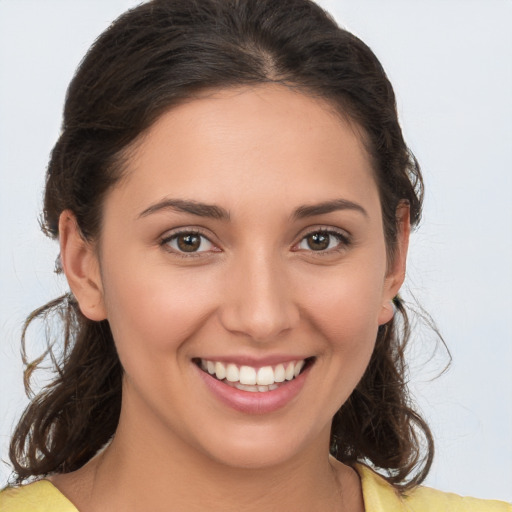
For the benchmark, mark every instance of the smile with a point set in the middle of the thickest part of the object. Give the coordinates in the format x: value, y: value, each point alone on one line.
x: 252, y: 379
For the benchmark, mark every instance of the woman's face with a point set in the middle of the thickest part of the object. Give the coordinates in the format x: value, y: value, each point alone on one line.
x: 245, y: 240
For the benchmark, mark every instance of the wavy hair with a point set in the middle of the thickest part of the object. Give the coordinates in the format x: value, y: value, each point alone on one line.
x: 150, y: 59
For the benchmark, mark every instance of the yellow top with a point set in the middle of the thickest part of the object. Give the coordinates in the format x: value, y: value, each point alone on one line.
x: 379, y: 496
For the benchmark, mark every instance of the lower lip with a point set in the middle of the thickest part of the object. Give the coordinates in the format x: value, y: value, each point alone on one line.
x: 255, y: 402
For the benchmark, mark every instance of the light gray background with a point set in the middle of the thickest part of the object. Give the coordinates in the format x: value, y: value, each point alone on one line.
x: 450, y: 63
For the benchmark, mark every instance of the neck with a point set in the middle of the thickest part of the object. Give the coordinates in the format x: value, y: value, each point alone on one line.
x: 152, y: 469
x: 192, y: 481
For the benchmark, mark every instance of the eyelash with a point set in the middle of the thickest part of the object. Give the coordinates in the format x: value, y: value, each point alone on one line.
x: 343, y: 242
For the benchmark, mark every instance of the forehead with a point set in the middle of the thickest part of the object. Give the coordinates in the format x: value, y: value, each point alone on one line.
x: 264, y: 143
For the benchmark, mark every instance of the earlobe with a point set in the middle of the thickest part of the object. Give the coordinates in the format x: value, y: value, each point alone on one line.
x: 387, y: 312
x: 80, y: 264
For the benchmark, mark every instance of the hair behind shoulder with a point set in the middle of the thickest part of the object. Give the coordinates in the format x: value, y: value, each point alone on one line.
x: 76, y: 414
x: 150, y: 59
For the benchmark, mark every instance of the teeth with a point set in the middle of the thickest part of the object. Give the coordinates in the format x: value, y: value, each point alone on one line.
x: 243, y: 387
x: 265, y: 376
x: 252, y: 379
x: 289, y: 372
x: 247, y: 375
x: 298, y: 368
x: 220, y: 371
x: 254, y: 389
x: 232, y: 373
x: 279, y: 373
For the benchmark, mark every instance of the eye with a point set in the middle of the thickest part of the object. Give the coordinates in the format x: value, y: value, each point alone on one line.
x: 323, y: 241
x: 188, y: 242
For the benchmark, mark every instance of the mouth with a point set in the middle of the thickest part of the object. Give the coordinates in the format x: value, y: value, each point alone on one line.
x: 254, y: 379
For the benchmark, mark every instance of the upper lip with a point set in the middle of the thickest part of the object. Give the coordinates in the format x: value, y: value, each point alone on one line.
x: 255, y: 362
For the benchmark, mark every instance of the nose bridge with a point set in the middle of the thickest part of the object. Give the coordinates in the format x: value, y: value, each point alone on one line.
x: 259, y: 298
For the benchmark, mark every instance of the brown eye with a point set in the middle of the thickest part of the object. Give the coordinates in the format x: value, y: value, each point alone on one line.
x: 324, y: 241
x: 318, y: 241
x: 188, y: 243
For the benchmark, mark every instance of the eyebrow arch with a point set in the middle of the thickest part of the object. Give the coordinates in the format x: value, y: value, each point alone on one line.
x: 193, y: 207
x: 327, y: 207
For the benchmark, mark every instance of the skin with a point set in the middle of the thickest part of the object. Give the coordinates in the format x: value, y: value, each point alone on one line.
x: 254, y: 289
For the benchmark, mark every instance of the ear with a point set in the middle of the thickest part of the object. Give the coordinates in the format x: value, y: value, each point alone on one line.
x: 396, y: 273
x: 81, y: 266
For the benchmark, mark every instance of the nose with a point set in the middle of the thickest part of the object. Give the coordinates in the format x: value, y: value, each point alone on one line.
x: 258, y: 299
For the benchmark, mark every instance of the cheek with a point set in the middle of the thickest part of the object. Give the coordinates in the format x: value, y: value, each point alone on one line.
x: 344, y: 314
x: 155, y: 311
x: 345, y: 305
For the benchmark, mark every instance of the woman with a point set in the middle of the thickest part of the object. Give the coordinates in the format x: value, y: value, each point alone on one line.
x: 233, y: 198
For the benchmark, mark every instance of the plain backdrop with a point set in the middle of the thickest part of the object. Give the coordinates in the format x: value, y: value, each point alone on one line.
x: 450, y: 63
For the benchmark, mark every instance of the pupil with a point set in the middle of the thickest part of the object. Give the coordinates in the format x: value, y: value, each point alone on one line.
x: 318, y: 241
x: 189, y: 243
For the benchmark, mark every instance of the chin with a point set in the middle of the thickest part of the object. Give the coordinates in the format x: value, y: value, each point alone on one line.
x: 250, y: 447
x: 255, y: 457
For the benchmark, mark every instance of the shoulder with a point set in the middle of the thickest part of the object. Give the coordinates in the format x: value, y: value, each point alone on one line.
x: 380, y: 496
x: 41, y: 496
x: 424, y: 499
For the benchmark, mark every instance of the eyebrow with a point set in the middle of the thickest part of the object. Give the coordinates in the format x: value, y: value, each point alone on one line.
x: 327, y: 207
x: 193, y: 207
x: 217, y: 212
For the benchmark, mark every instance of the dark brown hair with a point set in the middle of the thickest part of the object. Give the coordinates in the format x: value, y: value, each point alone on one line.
x: 152, y: 58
